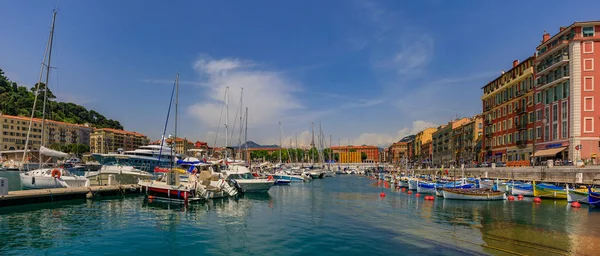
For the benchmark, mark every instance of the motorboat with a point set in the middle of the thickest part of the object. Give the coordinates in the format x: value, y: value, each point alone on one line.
x: 241, y: 177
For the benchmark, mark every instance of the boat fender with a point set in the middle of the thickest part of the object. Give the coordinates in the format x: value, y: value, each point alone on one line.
x: 270, y: 177
x: 55, y: 173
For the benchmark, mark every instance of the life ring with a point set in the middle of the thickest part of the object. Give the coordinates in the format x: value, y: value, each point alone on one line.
x: 55, y: 173
x: 270, y: 177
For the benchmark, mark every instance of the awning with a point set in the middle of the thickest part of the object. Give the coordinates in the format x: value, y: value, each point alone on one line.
x: 549, y: 152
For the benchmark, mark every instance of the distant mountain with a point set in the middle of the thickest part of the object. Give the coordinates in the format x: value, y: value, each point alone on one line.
x: 252, y: 144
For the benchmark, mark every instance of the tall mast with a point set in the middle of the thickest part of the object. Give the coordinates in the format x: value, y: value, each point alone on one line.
x: 176, y: 114
x: 246, y: 135
x: 241, y: 110
x: 296, y: 150
x: 280, y: 143
x: 312, y: 143
x: 226, y: 119
x: 330, y: 151
x: 37, y: 89
x: 46, y: 88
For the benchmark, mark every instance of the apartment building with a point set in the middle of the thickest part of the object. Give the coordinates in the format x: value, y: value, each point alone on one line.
x: 566, y: 110
x: 105, y: 140
x: 14, y: 133
x: 372, y: 153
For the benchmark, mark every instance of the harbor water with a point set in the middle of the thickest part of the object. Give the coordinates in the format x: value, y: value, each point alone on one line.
x: 343, y: 215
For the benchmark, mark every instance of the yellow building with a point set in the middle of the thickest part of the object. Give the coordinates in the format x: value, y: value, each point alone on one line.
x: 14, y: 133
x: 107, y: 140
x: 350, y: 157
x: 181, y: 147
x: 420, y: 139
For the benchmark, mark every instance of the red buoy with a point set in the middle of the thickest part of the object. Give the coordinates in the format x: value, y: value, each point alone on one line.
x: 417, y: 194
x: 537, y: 200
x: 510, y: 198
x: 403, y: 189
x: 520, y: 197
x: 575, y: 204
x: 382, y: 194
x: 409, y: 192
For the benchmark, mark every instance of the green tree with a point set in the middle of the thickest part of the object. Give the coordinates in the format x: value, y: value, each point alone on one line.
x: 363, y: 156
x: 336, y: 156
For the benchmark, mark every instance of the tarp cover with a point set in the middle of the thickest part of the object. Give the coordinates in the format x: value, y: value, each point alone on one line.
x: 51, y: 152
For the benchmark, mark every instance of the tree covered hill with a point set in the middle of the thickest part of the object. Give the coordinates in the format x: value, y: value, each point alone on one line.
x: 18, y: 101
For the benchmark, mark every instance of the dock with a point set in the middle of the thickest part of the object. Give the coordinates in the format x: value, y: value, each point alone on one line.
x: 557, y: 174
x: 22, y: 197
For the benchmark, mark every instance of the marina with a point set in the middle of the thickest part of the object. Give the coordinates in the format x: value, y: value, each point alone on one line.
x: 297, y: 220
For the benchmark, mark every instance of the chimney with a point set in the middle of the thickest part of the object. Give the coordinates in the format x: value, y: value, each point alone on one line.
x: 545, y: 37
x: 562, y: 28
x: 515, y: 63
x: 503, y: 71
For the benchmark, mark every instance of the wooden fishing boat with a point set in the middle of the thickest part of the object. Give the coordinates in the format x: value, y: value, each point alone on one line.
x: 473, y: 194
x: 593, y: 198
x: 522, y: 189
x: 549, y: 191
x: 426, y: 188
x: 577, y: 195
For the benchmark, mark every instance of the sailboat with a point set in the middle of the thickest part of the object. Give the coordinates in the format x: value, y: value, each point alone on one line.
x: 171, y: 189
x: 47, y: 177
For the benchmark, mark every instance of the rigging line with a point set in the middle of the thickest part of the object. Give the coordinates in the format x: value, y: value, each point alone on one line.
x: 219, y: 125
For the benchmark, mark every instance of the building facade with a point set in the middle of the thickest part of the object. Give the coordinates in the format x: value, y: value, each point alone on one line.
x: 443, y: 142
x: 182, y: 145
x: 14, y: 133
x: 421, y: 138
x: 105, y: 140
x: 508, y: 112
x: 350, y: 157
x: 372, y: 152
x: 566, y: 110
x: 466, y: 137
x: 398, y: 152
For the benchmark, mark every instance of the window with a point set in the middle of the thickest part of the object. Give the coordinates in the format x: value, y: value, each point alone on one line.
x: 516, y: 136
x: 588, y: 125
x: 538, y: 132
x: 530, y: 131
x: 510, y: 109
x: 588, y: 31
x: 588, y: 103
x: 538, y: 114
x: 588, y: 47
x: 509, y: 123
x: 566, y: 89
x: 564, y: 130
x: 588, y: 64
x: 555, y: 113
x: 555, y: 131
x: 531, y: 117
x: 588, y: 83
x: 509, y: 138
x: 547, y: 133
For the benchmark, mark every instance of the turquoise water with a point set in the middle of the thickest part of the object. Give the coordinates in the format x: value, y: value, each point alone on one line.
x: 343, y: 215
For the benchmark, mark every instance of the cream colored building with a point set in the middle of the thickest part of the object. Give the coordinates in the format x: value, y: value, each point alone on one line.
x: 421, y: 138
x: 181, y: 147
x: 105, y: 140
x: 13, y: 133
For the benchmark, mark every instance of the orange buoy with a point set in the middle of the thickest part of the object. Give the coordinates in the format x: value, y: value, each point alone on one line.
x: 417, y: 194
x: 575, y: 204
x: 409, y: 192
x: 520, y: 197
x: 510, y: 198
x: 382, y: 194
x: 537, y: 200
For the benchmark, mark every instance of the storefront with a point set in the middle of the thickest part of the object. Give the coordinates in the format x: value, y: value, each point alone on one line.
x: 557, y: 151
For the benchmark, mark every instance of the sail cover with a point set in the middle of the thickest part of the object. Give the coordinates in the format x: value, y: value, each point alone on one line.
x: 51, y: 152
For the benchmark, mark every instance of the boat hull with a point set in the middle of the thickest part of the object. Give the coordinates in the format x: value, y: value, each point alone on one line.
x: 255, y: 186
x: 543, y: 192
x: 426, y: 189
x: 522, y: 191
x: 403, y: 184
x: 412, y: 184
x: 469, y: 194
x: 42, y: 182
x: 594, y: 199
x: 578, y: 196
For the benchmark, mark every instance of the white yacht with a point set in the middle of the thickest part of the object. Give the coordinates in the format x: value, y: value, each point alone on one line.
x: 247, y: 183
x: 145, y: 158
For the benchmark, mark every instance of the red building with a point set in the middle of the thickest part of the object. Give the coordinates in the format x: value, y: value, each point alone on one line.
x: 566, y: 109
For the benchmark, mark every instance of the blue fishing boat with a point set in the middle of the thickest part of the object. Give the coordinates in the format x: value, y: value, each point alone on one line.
x: 525, y: 189
x: 593, y: 197
x: 426, y: 187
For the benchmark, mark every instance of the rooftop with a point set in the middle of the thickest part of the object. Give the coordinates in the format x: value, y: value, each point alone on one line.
x: 39, y: 120
x: 119, y: 131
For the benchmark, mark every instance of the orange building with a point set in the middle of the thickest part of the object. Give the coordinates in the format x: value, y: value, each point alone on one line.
x: 372, y: 152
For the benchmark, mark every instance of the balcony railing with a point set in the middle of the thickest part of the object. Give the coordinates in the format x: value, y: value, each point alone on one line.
x: 521, y: 143
x: 521, y: 126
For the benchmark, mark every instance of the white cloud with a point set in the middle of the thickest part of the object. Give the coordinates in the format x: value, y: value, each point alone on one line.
x: 267, y: 94
x: 385, y: 139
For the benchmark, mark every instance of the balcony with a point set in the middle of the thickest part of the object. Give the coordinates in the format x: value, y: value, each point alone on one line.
x: 520, y: 110
x: 521, y: 126
x: 487, y: 108
x: 520, y: 92
x: 521, y: 143
x: 561, y: 77
x: 488, y: 148
x: 488, y: 121
x: 543, y: 68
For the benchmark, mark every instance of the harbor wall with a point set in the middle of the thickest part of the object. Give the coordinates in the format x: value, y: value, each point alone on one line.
x: 539, y: 173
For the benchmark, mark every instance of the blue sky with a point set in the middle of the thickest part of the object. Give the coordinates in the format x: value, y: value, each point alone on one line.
x: 369, y: 71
